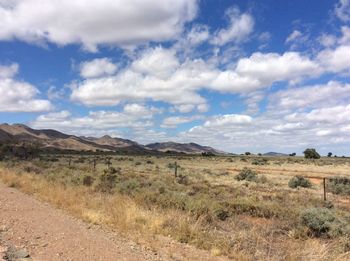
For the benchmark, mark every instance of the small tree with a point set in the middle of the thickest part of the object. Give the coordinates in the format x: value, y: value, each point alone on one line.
x: 247, y: 153
x: 311, y: 154
x: 329, y: 154
x: 292, y: 154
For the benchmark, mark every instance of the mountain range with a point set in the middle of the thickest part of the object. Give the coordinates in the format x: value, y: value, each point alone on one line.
x: 48, y: 139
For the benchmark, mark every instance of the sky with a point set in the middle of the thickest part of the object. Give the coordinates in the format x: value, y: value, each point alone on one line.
x: 237, y: 75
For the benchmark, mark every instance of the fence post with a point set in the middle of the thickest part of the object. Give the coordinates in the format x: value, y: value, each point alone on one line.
x: 175, y: 169
x: 324, y: 190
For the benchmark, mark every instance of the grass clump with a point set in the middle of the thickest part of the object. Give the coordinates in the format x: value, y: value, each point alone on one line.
x: 339, y: 185
x: 299, y: 181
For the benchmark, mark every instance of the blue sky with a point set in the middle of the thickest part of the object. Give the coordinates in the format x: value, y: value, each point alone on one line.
x: 237, y: 75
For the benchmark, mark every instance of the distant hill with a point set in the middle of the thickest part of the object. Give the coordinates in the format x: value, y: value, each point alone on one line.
x: 55, y: 140
x: 189, y: 148
x: 275, y: 154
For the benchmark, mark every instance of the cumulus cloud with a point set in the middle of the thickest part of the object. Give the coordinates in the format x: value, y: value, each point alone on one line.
x: 229, y: 119
x: 19, y: 96
x: 322, y: 95
x: 295, y: 118
x: 92, y: 23
x: 240, y: 26
x: 173, y: 122
x: 133, y: 116
x: 335, y: 60
x: 263, y: 69
x: 158, y: 74
x: 97, y: 68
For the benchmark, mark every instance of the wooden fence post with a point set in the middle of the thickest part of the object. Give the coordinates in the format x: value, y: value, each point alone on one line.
x: 324, y: 190
x: 175, y: 169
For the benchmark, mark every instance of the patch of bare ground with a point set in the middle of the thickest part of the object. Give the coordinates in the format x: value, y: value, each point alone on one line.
x: 47, y: 233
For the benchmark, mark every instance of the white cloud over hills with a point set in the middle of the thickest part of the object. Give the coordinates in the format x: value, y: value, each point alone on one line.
x: 172, y: 72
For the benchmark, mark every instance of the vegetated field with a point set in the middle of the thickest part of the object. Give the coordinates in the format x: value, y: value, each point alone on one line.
x: 257, y: 217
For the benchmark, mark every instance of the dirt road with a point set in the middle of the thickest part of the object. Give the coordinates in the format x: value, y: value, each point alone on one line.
x: 47, y: 233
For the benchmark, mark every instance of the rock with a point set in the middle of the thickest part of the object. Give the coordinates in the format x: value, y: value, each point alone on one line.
x: 21, y: 253
x: 17, y: 254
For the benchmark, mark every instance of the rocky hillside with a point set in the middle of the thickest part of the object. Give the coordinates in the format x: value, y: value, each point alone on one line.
x: 52, y: 139
x: 188, y: 148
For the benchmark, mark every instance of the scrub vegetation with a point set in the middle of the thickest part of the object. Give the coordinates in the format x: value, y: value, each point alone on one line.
x: 229, y: 205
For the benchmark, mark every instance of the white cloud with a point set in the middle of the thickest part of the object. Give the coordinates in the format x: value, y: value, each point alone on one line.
x: 335, y: 60
x: 139, y: 110
x: 197, y: 35
x: 322, y: 95
x: 327, y: 40
x: 229, y: 119
x: 19, y: 96
x: 328, y: 115
x: 239, y: 29
x: 173, y: 122
x: 97, y: 68
x: 8, y: 71
x: 158, y: 62
x: 134, y: 116
x: 159, y: 75
x: 293, y: 36
x: 92, y: 23
x: 156, y: 75
x: 342, y: 10
x: 345, y: 39
x: 263, y: 69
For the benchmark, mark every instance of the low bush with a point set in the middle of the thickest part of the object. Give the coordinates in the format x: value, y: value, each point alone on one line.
x: 318, y: 220
x: 324, y: 222
x: 299, y: 181
x: 247, y: 174
x: 259, y: 162
x: 339, y: 185
x: 107, y: 181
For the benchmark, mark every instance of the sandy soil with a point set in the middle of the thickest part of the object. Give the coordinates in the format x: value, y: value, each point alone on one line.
x: 47, y: 233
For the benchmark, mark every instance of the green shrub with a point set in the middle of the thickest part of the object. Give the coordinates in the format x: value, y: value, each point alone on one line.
x: 299, y: 181
x: 324, y: 222
x: 247, y: 174
x: 318, y: 220
x: 339, y: 185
